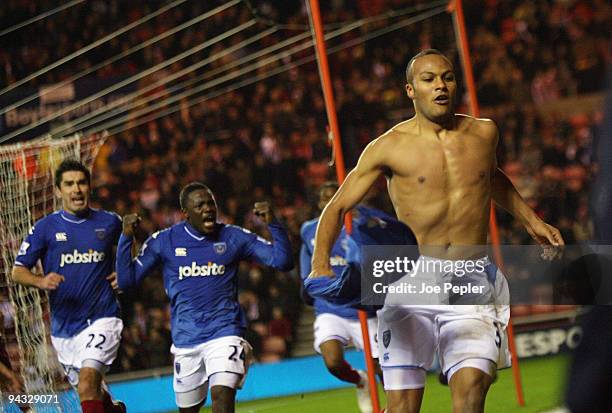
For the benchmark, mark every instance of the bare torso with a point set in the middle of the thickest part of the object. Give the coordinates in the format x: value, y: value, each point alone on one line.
x: 440, y: 185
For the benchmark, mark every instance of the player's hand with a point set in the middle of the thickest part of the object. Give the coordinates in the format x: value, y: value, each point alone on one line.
x: 112, y: 278
x: 130, y: 223
x: 264, y: 211
x: 50, y: 281
x: 548, y: 237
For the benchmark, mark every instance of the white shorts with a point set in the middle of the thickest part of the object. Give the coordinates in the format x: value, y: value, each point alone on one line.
x: 329, y: 326
x: 409, y: 336
x: 96, y: 345
x: 194, y: 366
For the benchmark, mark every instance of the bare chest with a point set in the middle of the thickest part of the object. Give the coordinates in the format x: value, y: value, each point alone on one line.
x: 445, y: 165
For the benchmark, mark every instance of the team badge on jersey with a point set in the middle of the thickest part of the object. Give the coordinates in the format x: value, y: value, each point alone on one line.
x: 100, y: 233
x: 386, y: 338
x: 61, y: 236
x: 220, y: 247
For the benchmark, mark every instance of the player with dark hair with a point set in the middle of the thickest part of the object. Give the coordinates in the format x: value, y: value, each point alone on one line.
x: 76, y: 246
x: 441, y: 173
x: 337, y: 326
x: 199, y: 258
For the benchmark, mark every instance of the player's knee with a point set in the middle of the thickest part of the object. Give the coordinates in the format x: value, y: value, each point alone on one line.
x: 223, y: 398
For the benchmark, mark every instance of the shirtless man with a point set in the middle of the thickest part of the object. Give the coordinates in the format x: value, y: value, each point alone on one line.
x: 441, y: 173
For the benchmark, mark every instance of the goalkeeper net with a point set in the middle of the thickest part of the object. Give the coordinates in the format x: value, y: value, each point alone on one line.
x: 26, y: 195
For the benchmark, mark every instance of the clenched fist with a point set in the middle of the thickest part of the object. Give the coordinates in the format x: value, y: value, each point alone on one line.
x: 264, y: 211
x: 130, y: 223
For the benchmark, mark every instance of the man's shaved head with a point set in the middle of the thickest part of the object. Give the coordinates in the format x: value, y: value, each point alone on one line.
x: 426, y: 52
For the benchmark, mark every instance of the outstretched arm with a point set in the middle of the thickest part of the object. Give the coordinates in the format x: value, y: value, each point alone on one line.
x: 350, y: 193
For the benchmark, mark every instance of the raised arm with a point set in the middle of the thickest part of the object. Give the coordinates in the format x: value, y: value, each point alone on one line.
x: 350, y: 193
x: 276, y: 254
x: 130, y: 272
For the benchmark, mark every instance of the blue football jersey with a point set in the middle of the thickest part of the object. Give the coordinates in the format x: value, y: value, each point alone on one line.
x: 80, y: 249
x: 343, y: 247
x: 370, y: 227
x: 200, y: 274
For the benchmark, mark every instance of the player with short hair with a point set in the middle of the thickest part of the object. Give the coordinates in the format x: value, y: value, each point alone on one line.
x: 337, y: 326
x: 441, y: 174
x: 76, y: 246
x: 199, y: 258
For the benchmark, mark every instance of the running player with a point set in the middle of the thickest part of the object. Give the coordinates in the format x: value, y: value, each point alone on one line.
x: 199, y: 259
x: 337, y: 326
x: 442, y: 173
x: 75, y: 246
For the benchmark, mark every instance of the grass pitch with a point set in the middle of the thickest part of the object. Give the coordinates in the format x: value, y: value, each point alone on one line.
x: 543, y: 385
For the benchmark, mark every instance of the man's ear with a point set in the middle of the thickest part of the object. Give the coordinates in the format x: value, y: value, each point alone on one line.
x: 410, y: 91
x: 57, y: 191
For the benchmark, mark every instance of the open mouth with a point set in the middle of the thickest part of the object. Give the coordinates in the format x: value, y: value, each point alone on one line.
x: 209, y: 221
x: 442, y: 100
x: 78, y: 201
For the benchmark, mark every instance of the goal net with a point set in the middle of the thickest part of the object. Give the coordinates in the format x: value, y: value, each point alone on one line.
x: 26, y: 195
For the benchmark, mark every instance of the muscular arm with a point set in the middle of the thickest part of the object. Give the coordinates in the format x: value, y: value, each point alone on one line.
x: 505, y: 195
x: 22, y: 275
x: 350, y: 193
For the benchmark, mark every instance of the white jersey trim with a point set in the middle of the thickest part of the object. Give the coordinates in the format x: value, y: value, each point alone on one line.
x: 193, y: 235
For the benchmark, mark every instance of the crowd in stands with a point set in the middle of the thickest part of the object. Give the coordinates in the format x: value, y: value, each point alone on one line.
x: 268, y: 140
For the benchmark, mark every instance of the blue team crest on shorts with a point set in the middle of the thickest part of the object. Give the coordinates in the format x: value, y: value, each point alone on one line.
x: 220, y: 247
x: 177, y: 367
x: 100, y: 233
x: 386, y: 338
